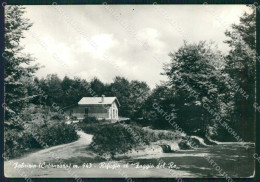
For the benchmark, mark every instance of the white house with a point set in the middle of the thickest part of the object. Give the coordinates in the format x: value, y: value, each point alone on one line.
x: 98, y: 107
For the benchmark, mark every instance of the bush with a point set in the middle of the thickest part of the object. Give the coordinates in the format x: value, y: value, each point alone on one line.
x: 90, y: 120
x: 159, y: 123
x: 51, y: 133
x: 89, y: 128
x: 137, y: 122
x: 111, y: 138
x: 56, y: 133
x: 18, y: 142
x: 58, y: 117
x: 121, y: 137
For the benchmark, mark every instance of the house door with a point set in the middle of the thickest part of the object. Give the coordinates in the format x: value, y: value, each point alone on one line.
x: 86, y: 112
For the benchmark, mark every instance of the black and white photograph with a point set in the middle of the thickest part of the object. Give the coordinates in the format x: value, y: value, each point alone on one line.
x: 130, y: 91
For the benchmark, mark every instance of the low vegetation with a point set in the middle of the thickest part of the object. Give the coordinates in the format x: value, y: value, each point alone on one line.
x: 38, y: 132
x: 121, y: 137
x: 18, y: 142
x: 110, y: 138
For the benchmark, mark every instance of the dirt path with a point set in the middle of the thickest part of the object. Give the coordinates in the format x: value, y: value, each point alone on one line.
x: 191, y: 163
x: 75, y: 152
x: 56, y: 153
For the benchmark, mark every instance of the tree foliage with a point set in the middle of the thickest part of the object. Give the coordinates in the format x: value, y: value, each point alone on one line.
x: 67, y: 91
x: 17, y: 64
x: 195, y: 81
x: 241, y: 66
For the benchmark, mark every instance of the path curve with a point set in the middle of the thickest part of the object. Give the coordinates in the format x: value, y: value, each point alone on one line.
x: 64, y: 151
x: 77, y: 149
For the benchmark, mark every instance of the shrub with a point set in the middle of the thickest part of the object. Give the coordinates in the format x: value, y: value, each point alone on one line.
x: 89, y: 128
x: 58, y: 117
x: 18, y: 142
x: 90, y: 120
x: 113, y: 138
x: 55, y: 133
x: 121, y: 137
x: 52, y: 132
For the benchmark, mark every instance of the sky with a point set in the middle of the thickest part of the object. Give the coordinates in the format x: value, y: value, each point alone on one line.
x: 133, y: 41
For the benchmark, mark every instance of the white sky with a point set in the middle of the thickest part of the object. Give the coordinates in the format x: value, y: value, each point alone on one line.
x: 62, y: 37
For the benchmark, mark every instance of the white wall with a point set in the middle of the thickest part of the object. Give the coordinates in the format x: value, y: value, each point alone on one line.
x: 113, y: 111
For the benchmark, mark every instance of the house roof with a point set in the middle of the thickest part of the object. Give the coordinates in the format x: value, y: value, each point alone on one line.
x: 97, y: 100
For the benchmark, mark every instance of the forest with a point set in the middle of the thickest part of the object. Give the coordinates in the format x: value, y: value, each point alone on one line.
x: 204, y: 89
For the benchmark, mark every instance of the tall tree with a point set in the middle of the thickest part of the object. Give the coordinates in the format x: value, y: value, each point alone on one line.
x: 139, y: 92
x: 195, y: 80
x: 120, y: 89
x: 17, y: 63
x: 68, y: 92
x: 160, y: 107
x: 54, y: 90
x: 241, y: 66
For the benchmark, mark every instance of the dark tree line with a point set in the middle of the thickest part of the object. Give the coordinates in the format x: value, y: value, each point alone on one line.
x: 67, y: 91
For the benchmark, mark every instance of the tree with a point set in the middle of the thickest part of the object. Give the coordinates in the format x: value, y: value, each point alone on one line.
x: 160, y: 107
x: 68, y: 91
x: 97, y: 86
x: 17, y: 66
x: 195, y: 81
x: 54, y: 90
x: 120, y: 89
x: 139, y: 92
x: 241, y: 67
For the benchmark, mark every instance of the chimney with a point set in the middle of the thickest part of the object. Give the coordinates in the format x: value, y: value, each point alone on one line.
x: 102, y: 98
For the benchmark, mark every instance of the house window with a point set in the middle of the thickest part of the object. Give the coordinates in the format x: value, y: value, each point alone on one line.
x: 114, y: 114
